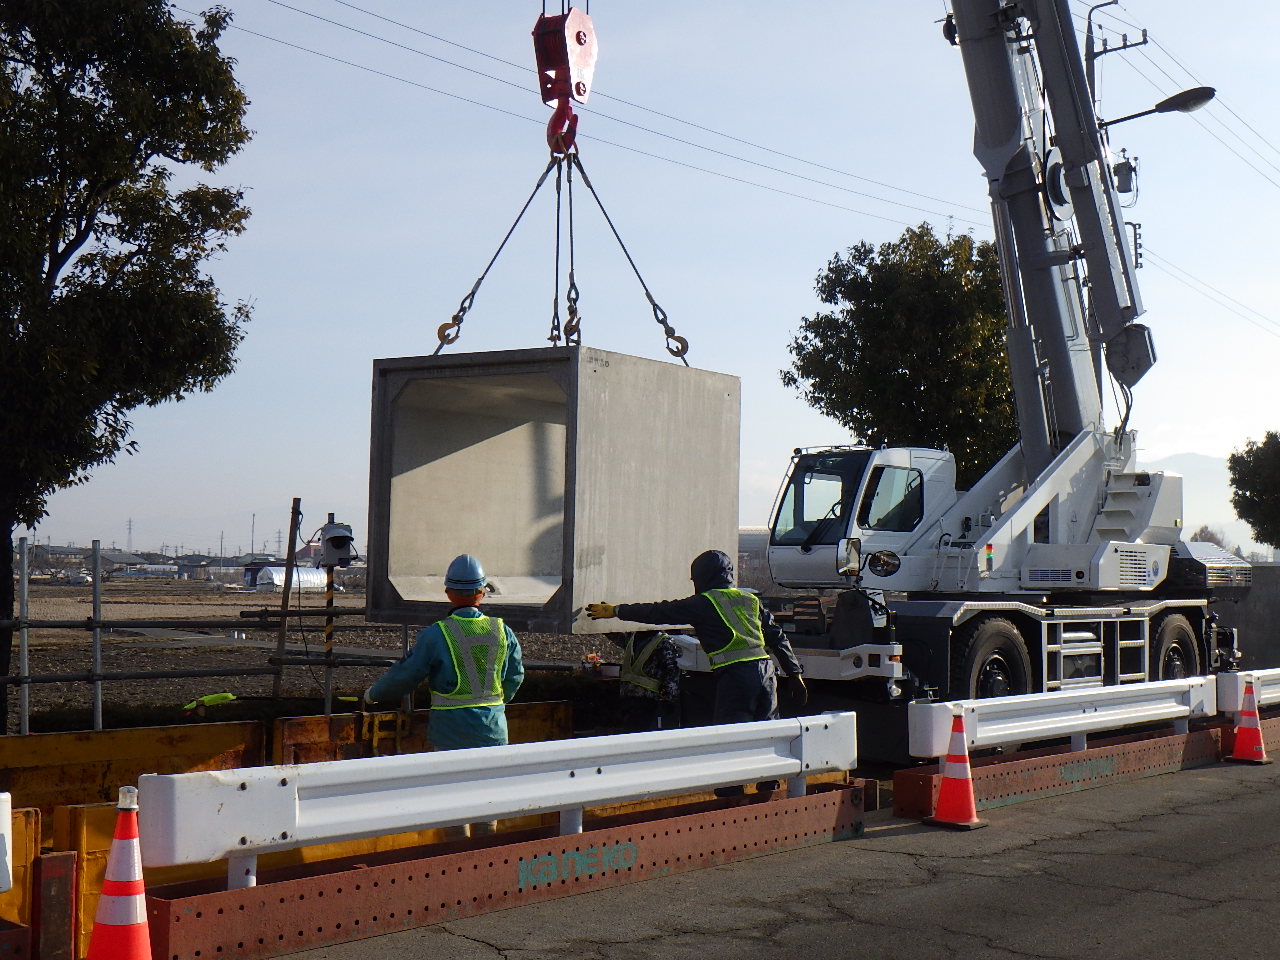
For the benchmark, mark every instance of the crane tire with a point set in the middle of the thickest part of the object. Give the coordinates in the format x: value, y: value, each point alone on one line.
x: 990, y: 659
x: 1175, y: 649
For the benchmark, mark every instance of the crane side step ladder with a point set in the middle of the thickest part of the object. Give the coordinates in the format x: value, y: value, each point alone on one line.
x: 1182, y: 721
x: 578, y: 815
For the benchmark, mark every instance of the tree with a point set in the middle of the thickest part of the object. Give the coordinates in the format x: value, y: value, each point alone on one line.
x: 913, y: 352
x: 1255, y: 481
x: 1207, y: 534
x: 103, y: 104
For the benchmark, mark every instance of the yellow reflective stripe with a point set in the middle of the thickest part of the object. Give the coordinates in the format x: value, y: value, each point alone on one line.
x: 633, y: 665
x: 464, y: 637
x: 747, y: 642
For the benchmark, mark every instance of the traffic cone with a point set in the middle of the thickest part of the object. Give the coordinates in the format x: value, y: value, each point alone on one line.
x: 955, y: 808
x: 120, y: 929
x: 1247, y: 746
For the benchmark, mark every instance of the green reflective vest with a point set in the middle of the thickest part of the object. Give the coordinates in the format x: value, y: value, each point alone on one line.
x: 478, y: 649
x: 740, y: 612
x: 634, y: 661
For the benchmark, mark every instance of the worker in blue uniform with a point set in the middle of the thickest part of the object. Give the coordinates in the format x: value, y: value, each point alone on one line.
x: 471, y: 663
x: 737, y: 634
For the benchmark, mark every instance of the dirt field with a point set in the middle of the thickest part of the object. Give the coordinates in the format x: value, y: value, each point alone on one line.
x: 64, y: 651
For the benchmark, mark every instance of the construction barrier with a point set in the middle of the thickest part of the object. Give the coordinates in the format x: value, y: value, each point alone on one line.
x: 348, y: 900
x: 17, y: 902
x: 48, y: 770
x: 1065, y: 713
x: 236, y: 815
x: 1266, y: 689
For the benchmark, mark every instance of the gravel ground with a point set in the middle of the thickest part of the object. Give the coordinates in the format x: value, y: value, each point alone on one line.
x: 62, y: 651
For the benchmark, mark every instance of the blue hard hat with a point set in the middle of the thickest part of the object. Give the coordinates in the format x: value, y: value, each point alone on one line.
x: 465, y: 575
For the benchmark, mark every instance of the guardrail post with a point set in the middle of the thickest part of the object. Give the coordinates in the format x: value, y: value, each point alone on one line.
x: 1079, y: 741
x: 570, y: 821
x: 242, y: 872
x: 797, y: 785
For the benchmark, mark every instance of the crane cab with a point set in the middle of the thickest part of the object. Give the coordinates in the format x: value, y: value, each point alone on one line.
x: 887, y: 498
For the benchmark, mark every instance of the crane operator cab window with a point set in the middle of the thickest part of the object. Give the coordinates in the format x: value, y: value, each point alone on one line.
x: 818, y: 499
x: 894, y: 500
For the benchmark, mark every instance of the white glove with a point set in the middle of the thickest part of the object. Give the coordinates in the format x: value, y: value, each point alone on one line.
x: 367, y: 700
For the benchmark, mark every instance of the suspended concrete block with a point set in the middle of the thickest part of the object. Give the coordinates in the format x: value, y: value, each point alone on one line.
x: 573, y: 474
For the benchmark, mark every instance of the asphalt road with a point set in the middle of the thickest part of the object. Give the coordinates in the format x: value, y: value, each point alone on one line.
x: 1180, y: 865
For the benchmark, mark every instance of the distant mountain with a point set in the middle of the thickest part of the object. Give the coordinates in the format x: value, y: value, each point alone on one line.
x: 1206, y: 497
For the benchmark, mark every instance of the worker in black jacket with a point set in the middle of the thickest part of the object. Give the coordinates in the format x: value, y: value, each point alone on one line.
x: 736, y: 632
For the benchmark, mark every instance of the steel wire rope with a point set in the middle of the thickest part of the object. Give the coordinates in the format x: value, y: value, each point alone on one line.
x: 659, y: 315
x: 467, y: 301
x: 595, y: 139
x: 650, y: 130
x: 555, y: 274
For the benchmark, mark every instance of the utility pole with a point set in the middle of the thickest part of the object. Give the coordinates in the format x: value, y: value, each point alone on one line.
x: 221, y: 553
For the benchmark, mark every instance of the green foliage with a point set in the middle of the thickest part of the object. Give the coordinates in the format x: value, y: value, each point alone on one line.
x: 102, y: 102
x: 912, y: 353
x: 1255, y: 480
x: 102, y: 105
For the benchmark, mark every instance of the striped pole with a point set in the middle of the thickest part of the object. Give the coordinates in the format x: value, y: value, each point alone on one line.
x: 120, y: 929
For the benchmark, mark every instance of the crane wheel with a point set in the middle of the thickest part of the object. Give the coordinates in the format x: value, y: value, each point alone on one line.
x: 989, y: 659
x: 1175, y: 649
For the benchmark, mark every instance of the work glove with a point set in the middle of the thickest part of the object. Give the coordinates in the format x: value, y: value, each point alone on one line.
x: 366, y: 700
x: 601, y: 611
x: 798, y: 689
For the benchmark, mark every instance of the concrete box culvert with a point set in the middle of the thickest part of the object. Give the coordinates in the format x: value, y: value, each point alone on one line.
x: 574, y: 474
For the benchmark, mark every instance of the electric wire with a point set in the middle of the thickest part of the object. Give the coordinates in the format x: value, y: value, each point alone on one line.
x: 595, y: 139
x: 1203, y: 126
x: 1218, y: 103
x: 1178, y: 274
x: 1214, y: 295
x: 657, y: 133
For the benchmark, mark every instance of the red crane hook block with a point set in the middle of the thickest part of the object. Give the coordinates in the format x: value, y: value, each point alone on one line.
x: 564, y: 47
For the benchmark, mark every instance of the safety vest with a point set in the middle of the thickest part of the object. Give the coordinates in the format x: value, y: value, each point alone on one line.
x: 478, y: 649
x: 633, y: 663
x: 741, y: 613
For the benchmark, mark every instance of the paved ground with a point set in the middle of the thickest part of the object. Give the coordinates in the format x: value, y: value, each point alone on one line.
x: 1179, y: 866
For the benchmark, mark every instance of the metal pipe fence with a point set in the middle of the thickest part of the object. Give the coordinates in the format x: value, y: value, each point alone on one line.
x: 96, y: 625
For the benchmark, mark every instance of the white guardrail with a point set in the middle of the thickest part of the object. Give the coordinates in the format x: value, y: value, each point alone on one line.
x: 6, y: 843
x: 238, y: 814
x: 1266, y: 689
x: 1065, y: 713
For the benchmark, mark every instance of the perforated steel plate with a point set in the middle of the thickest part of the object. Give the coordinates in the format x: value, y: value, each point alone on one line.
x: 296, y: 914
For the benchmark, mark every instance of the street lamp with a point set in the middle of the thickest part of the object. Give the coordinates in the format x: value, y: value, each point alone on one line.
x: 1184, y: 102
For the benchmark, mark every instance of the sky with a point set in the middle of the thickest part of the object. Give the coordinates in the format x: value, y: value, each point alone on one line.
x: 390, y: 158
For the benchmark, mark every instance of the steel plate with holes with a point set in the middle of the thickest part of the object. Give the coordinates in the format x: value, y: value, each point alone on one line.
x: 295, y: 914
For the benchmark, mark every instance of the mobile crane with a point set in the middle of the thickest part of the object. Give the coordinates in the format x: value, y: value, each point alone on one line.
x: 1063, y: 566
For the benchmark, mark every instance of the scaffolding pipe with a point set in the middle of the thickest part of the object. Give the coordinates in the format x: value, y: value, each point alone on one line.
x: 97, y: 634
x: 24, y: 664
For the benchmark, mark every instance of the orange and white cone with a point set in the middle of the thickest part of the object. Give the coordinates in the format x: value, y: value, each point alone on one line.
x: 956, y: 809
x: 120, y: 929
x: 1247, y: 746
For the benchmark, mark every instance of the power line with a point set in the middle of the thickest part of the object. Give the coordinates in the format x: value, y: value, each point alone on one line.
x: 1200, y: 123
x: 1223, y: 300
x: 658, y: 133
x: 601, y: 140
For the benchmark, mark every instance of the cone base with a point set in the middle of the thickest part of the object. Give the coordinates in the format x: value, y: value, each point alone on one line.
x: 1248, y: 760
x: 952, y: 825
